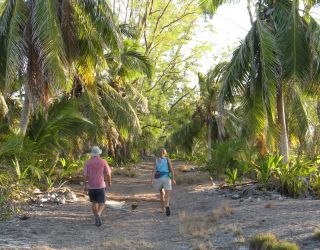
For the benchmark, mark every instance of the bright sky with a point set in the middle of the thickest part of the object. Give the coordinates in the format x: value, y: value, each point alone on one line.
x: 225, y: 30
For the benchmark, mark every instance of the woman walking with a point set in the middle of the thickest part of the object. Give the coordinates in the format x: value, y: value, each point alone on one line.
x: 162, y: 178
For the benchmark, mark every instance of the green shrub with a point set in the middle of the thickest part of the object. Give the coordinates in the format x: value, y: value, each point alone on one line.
x: 257, y: 241
x: 268, y: 241
x: 224, y: 156
x: 280, y: 245
x: 265, y: 170
x: 232, y: 176
x: 315, y: 183
x: 9, y: 191
x: 316, y: 235
x: 293, y: 179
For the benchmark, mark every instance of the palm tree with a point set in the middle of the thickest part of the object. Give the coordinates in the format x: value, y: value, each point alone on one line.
x: 207, y: 107
x: 50, y: 46
x: 206, y: 114
x: 273, y: 61
x: 122, y: 76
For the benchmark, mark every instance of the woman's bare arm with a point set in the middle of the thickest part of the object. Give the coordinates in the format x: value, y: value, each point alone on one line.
x: 172, y: 171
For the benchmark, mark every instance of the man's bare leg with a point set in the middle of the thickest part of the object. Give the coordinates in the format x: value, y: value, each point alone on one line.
x: 101, y: 207
x: 95, y: 208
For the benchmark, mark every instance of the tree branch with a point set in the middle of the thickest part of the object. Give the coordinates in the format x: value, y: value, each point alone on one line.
x: 174, y: 21
x: 180, y: 99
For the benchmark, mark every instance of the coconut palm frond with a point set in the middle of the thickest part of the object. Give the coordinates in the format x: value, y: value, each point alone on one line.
x: 202, y: 84
x: 119, y: 109
x: 139, y: 101
x: 3, y: 57
x: 237, y: 70
x: 63, y: 123
x: 258, y: 77
x: 210, y: 6
x: 101, y: 16
x: 298, y: 120
x: 214, y: 75
x: 129, y: 31
x: 135, y: 62
x: 254, y: 112
x: 47, y: 38
x: 15, y: 43
x: 5, y: 15
x: 15, y: 145
x: 186, y: 134
x: 314, y: 43
x: 92, y: 108
x: 268, y: 63
x: 69, y: 30
x: 90, y: 46
x: 291, y: 33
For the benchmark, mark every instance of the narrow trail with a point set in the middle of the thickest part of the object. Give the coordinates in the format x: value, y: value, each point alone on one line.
x: 71, y: 226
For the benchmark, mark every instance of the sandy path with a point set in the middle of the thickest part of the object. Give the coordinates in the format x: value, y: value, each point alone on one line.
x: 70, y: 226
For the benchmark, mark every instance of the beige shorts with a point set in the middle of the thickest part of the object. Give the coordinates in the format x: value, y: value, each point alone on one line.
x: 163, y: 182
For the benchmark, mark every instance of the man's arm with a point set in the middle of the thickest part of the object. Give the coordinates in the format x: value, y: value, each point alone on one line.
x: 108, y: 179
x: 107, y: 174
x: 85, y: 177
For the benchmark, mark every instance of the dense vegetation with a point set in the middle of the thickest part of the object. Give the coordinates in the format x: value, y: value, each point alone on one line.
x: 76, y: 73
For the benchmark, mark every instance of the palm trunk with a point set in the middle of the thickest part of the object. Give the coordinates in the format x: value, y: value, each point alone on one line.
x: 249, y: 11
x: 284, y: 147
x: 25, y: 114
x: 3, y: 106
x: 209, y: 140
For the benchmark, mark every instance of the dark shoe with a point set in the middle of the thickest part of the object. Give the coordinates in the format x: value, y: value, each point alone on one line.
x: 167, y: 211
x: 98, y: 221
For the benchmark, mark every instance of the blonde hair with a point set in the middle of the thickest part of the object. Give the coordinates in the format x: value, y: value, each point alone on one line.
x: 163, y: 151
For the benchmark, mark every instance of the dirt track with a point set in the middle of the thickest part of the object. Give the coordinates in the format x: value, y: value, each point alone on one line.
x: 190, y: 226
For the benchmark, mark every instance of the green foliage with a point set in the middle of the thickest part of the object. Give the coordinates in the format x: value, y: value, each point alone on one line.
x: 10, y: 190
x: 232, y: 176
x: 70, y: 167
x: 224, y: 156
x: 316, y: 235
x: 268, y: 166
x: 268, y: 241
x: 315, y: 183
x: 293, y: 178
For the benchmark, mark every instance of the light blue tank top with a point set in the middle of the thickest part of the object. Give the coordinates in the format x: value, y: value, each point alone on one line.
x: 162, y: 166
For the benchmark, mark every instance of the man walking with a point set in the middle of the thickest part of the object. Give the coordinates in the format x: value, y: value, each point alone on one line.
x: 95, y: 170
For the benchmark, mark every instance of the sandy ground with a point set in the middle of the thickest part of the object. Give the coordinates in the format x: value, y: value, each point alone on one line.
x: 192, y: 224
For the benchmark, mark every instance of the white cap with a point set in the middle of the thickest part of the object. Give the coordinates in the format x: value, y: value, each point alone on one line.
x: 95, y: 151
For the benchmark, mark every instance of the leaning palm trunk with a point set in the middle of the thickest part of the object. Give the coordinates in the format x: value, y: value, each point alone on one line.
x: 284, y: 146
x: 3, y: 106
x: 209, y: 139
x: 25, y: 115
